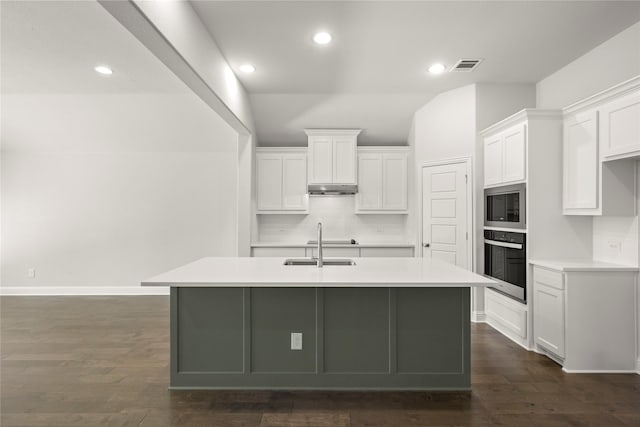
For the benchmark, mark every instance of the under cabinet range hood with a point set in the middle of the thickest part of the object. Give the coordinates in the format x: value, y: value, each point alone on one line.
x: 332, y: 189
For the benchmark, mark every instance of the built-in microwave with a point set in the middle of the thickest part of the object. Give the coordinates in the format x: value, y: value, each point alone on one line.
x: 505, y: 206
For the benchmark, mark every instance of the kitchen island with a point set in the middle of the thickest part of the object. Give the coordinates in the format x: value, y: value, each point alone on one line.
x: 383, y: 323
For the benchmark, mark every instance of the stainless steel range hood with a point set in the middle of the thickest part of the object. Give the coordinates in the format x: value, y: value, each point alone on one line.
x: 332, y: 189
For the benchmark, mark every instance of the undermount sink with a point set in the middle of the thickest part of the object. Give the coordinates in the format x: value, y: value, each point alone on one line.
x: 314, y: 262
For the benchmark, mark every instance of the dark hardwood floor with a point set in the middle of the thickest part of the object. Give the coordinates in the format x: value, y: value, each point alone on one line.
x: 87, y: 361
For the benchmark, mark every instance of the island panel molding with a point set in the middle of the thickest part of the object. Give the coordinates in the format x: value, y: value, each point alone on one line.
x: 353, y: 338
x: 382, y: 324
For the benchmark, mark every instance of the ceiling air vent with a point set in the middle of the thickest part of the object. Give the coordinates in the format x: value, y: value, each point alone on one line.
x: 466, y: 65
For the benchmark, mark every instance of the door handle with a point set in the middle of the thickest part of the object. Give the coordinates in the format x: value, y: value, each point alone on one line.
x: 426, y: 245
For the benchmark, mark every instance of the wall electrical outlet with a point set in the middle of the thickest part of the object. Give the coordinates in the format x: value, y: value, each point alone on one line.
x: 296, y: 340
x: 31, y: 273
x: 614, y: 245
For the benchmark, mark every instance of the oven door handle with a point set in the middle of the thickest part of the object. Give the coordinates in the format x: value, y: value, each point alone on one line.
x: 503, y: 244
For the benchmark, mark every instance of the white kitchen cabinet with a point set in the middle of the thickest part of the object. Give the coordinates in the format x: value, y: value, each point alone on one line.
x: 620, y: 126
x: 386, y: 252
x: 332, y: 252
x: 601, y: 142
x: 584, y: 315
x: 548, y: 310
x: 505, y: 156
x: 332, y: 156
x: 287, y: 252
x: 492, y: 160
x: 382, y: 180
x: 507, y: 316
x: 580, y: 161
x: 281, y: 176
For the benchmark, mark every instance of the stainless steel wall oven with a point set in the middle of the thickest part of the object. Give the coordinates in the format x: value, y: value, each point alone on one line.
x: 505, y: 259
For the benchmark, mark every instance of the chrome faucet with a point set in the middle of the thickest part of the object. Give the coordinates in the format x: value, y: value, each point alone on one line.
x: 319, y: 245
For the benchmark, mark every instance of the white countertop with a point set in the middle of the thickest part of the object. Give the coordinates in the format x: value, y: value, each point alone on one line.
x: 581, y: 265
x: 333, y: 245
x: 270, y: 272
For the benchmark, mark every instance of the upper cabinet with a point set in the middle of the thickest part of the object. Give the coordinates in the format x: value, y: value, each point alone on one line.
x: 601, y: 143
x: 332, y: 156
x: 382, y: 180
x: 505, y: 156
x: 620, y: 120
x: 580, y: 160
x: 281, y: 180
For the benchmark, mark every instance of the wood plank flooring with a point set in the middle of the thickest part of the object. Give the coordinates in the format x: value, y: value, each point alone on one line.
x: 87, y: 361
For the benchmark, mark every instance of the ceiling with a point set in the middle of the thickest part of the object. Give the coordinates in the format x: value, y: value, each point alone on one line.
x: 373, y: 74
x: 53, y: 46
x: 48, y: 52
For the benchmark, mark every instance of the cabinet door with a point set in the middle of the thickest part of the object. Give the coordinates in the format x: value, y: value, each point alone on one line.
x: 344, y: 160
x: 548, y: 317
x: 369, y: 195
x: 493, y: 160
x: 580, y: 161
x: 294, y: 182
x: 620, y: 126
x: 320, y: 160
x: 269, y: 181
x: 514, y: 154
x: 394, y: 182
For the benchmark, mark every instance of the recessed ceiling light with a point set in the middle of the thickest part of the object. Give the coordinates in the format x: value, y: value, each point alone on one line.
x: 247, y: 68
x: 436, y: 69
x: 322, y: 38
x: 103, y: 70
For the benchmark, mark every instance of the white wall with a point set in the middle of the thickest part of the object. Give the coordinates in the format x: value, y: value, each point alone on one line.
x: 338, y: 222
x: 107, y: 190
x: 615, y: 239
x: 611, y: 63
x: 614, y: 61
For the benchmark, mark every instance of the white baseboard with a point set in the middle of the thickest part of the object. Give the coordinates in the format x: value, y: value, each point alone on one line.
x: 478, y: 317
x: 81, y: 290
x: 599, y: 371
x: 638, y: 366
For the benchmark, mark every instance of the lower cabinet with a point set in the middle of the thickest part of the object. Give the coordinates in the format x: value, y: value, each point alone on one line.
x: 331, y: 252
x: 386, y: 252
x: 334, y: 252
x: 289, y: 252
x: 586, y: 320
x: 548, y: 310
x: 507, y: 316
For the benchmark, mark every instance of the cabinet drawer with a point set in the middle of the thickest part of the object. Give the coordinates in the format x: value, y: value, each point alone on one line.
x: 548, y: 277
x: 508, y: 316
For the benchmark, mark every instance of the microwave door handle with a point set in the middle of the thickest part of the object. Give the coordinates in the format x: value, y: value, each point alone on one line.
x: 503, y: 244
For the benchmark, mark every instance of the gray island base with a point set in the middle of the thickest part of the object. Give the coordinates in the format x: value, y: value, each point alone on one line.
x: 384, y: 324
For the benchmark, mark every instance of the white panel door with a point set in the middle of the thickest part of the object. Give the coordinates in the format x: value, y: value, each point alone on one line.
x: 320, y: 160
x: 493, y: 160
x: 514, y: 154
x: 344, y: 160
x: 369, y: 195
x: 269, y: 181
x: 294, y: 182
x: 580, y: 161
x: 444, y: 213
x: 394, y: 184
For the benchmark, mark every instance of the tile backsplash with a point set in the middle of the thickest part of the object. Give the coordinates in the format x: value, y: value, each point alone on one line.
x: 338, y: 222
